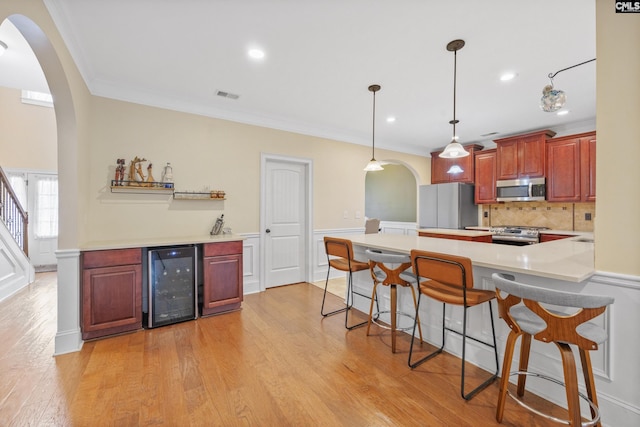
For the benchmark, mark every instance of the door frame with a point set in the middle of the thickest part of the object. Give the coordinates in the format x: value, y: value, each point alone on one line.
x: 308, y: 229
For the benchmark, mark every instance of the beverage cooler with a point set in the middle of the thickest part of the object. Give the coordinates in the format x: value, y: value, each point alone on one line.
x: 171, y: 295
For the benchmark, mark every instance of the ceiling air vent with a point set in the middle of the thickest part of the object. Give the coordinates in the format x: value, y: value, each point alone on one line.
x: 489, y: 134
x: 227, y: 95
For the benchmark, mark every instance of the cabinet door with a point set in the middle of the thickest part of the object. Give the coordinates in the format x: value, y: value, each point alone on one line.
x: 222, y: 289
x: 531, y: 158
x: 588, y: 168
x: 111, y: 300
x: 563, y: 170
x: 507, y: 154
x: 439, y: 168
x: 485, y: 177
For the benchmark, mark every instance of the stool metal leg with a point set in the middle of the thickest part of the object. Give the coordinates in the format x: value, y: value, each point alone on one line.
x: 324, y: 296
x: 350, y: 305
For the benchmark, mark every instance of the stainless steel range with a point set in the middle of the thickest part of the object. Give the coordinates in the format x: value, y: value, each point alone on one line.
x: 516, y: 235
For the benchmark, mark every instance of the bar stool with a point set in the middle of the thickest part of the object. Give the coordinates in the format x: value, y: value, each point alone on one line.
x: 340, y: 256
x: 523, y: 310
x: 383, y: 274
x: 449, y: 279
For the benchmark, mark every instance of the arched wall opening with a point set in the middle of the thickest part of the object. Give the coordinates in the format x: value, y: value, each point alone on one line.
x: 392, y: 194
x: 68, y: 307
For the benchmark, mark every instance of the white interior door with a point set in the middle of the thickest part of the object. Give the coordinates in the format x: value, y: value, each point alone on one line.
x: 286, y: 221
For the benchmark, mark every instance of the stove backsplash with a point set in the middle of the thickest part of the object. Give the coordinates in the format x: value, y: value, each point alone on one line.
x: 556, y: 216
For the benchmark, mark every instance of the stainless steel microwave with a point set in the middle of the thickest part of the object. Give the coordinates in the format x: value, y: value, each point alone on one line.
x: 521, y: 190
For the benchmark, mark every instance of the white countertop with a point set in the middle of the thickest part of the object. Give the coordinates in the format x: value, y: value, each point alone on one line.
x: 158, y: 241
x: 567, y: 259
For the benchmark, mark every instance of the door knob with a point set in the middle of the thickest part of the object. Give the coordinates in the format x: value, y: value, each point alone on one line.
x: 268, y: 230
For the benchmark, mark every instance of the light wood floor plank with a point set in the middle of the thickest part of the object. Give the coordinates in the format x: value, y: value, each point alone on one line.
x: 276, y: 362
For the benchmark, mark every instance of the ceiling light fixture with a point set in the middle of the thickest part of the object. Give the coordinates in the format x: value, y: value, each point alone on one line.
x: 3, y: 47
x: 256, y: 53
x: 554, y: 99
x: 454, y: 149
x: 373, y: 164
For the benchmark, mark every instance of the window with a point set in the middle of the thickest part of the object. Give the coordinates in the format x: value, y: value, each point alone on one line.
x: 46, y: 207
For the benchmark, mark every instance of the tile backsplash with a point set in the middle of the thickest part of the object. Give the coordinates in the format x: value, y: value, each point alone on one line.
x: 557, y: 216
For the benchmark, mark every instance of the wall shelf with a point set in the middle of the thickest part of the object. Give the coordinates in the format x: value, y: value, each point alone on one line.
x: 194, y: 195
x: 136, y: 187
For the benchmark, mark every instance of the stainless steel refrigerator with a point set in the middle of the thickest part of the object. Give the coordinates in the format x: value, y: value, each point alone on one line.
x: 449, y: 205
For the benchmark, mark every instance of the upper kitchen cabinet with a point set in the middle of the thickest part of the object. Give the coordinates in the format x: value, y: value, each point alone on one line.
x: 522, y: 156
x: 444, y: 170
x: 485, y: 177
x: 571, y: 169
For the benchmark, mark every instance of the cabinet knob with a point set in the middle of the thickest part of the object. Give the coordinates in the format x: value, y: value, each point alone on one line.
x: 268, y: 230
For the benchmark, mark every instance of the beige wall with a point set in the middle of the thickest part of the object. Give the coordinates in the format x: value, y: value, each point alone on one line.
x: 617, y: 223
x: 24, y: 145
x: 218, y: 154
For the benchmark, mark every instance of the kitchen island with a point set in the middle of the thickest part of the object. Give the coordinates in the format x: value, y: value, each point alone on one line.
x: 570, y: 259
x: 566, y: 264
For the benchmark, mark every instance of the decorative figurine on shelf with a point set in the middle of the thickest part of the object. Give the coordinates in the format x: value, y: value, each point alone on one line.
x: 167, y: 173
x: 150, y: 179
x: 135, y: 167
x: 119, y: 172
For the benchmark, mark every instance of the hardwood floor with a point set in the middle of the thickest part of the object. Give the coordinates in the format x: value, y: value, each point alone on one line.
x: 274, y: 363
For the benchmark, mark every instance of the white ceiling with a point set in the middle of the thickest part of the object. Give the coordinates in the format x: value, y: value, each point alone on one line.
x: 321, y: 55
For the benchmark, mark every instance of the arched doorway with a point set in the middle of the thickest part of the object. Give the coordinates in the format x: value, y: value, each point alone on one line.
x: 392, y: 194
x: 68, y: 329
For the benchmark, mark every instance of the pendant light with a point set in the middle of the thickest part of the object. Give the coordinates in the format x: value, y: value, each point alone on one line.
x: 454, y: 150
x: 554, y: 99
x: 373, y: 164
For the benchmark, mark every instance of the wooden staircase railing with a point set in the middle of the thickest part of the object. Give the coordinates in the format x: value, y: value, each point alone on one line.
x: 12, y: 214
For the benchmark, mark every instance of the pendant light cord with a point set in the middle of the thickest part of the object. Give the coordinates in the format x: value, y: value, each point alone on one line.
x: 373, y: 133
x: 455, y: 68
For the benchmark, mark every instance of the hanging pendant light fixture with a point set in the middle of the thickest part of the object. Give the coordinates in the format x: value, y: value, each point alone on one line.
x: 454, y: 150
x: 554, y: 99
x: 373, y: 164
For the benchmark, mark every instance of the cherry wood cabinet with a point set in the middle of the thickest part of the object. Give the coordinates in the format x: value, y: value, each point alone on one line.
x: 522, y: 156
x: 440, y: 167
x: 482, y: 239
x: 486, y: 171
x: 222, y: 276
x: 548, y: 237
x: 571, y: 168
x: 588, y: 167
x: 111, y: 292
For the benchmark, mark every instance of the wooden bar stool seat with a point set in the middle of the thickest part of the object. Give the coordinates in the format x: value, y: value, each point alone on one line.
x: 449, y: 279
x: 391, y: 270
x: 340, y: 256
x: 526, y: 310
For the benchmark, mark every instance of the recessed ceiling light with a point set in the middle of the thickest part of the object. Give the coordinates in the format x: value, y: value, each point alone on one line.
x: 256, y: 53
x: 391, y: 119
x: 562, y: 112
x: 508, y: 76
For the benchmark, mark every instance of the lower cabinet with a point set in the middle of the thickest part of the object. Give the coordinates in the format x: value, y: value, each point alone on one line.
x: 482, y: 239
x: 548, y: 237
x: 111, y: 292
x: 222, y: 277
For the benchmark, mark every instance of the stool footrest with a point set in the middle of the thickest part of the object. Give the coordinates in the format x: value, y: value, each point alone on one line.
x: 588, y: 423
x: 375, y: 318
